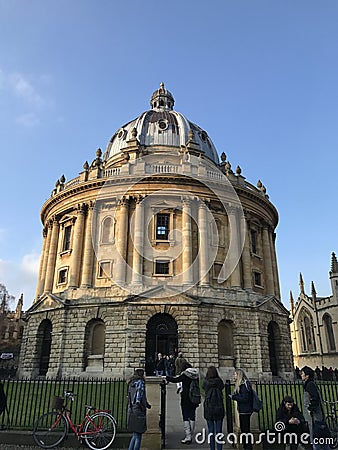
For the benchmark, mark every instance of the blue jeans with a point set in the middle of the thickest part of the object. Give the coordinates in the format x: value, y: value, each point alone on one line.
x: 135, y: 442
x: 215, y: 427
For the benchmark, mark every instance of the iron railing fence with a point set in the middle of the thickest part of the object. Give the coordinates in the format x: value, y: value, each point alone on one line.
x: 28, y: 399
x: 272, y: 394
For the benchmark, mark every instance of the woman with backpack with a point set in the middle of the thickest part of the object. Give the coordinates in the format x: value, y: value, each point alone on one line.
x: 213, y: 406
x: 137, y: 406
x: 243, y: 395
x: 189, y: 399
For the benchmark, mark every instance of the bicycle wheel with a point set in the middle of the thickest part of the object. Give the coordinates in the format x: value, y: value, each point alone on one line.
x: 50, y: 430
x: 333, y: 427
x: 100, y: 431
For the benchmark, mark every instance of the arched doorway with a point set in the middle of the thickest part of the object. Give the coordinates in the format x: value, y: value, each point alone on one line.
x: 161, y: 337
x: 274, y: 347
x: 44, y: 343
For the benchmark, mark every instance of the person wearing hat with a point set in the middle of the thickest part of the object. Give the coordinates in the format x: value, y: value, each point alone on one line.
x: 294, y: 421
x: 313, y: 405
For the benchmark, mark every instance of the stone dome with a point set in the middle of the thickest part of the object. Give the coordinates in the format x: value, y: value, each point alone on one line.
x: 161, y: 126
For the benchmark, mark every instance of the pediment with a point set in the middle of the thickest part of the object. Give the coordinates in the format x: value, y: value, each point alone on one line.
x: 47, y: 302
x: 163, y: 294
x: 272, y: 304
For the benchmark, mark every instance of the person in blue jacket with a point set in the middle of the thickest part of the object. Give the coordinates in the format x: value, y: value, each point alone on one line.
x: 243, y: 396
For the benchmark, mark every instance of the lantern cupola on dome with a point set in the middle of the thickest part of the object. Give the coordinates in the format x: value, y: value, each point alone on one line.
x: 161, y: 129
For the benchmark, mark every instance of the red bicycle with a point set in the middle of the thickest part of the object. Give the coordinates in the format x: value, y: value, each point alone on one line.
x: 98, y: 430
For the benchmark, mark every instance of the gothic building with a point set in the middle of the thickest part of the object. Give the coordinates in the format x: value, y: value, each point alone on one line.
x: 12, y: 324
x: 157, y: 246
x: 314, y: 326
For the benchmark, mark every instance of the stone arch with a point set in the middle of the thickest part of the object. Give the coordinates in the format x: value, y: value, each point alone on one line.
x: 330, y: 341
x: 44, y: 344
x: 225, y: 343
x: 274, y: 345
x: 94, y: 346
x: 161, y: 336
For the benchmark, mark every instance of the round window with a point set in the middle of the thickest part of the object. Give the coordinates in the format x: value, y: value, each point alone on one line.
x: 120, y: 134
x: 162, y: 124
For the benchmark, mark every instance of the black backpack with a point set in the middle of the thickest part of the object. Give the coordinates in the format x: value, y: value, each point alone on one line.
x: 194, y: 392
x: 3, y: 399
x: 214, y: 404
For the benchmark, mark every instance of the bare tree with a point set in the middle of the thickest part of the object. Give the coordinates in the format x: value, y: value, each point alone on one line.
x: 5, y: 299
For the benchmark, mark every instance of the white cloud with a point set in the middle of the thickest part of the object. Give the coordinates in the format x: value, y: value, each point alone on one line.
x: 20, y: 277
x: 24, y: 89
x: 28, y: 120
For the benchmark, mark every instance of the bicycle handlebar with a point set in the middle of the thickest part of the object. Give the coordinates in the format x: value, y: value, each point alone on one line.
x: 70, y: 395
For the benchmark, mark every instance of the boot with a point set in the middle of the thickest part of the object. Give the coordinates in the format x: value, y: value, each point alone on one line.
x: 187, y: 430
x: 192, y: 428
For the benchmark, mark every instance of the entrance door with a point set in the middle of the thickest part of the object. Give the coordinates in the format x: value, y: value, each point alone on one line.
x: 161, y: 337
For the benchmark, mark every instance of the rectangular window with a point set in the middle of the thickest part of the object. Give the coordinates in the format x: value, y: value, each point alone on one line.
x: 66, y: 238
x: 257, y: 279
x: 62, y: 276
x: 162, y: 267
x: 104, y: 269
x: 162, y: 226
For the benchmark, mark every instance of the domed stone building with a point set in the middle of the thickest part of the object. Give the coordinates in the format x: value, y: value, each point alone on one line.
x: 157, y: 246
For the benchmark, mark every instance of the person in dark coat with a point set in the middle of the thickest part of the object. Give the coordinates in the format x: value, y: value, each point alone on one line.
x: 213, y: 405
x: 137, y: 407
x: 313, y: 406
x: 244, y: 398
x: 187, y: 407
x: 159, y: 365
x: 289, y: 414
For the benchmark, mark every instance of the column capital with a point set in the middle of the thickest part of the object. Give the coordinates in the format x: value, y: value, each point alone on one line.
x: 138, y: 199
x: 124, y: 201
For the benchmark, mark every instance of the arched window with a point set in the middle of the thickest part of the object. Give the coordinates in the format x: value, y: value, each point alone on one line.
x: 44, y: 344
x: 94, y: 345
x: 307, y: 333
x: 106, y: 231
x: 225, y: 343
x: 331, y: 345
x: 274, y: 345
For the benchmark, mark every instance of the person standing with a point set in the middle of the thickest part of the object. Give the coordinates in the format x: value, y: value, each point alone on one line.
x: 159, y: 365
x: 137, y: 407
x: 313, y: 404
x: 188, y: 408
x: 244, y: 398
x: 179, y: 363
x: 214, y: 411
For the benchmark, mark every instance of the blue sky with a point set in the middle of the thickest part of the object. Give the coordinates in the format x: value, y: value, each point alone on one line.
x: 259, y: 76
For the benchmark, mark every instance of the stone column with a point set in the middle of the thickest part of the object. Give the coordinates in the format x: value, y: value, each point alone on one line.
x: 77, y: 248
x: 269, y: 283
x: 274, y: 265
x: 43, y: 261
x: 88, y: 251
x: 246, y: 259
x: 234, y: 247
x: 138, y: 242
x: 121, y: 243
x: 203, y: 245
x: 52, y: 256
x: 187, y: 274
